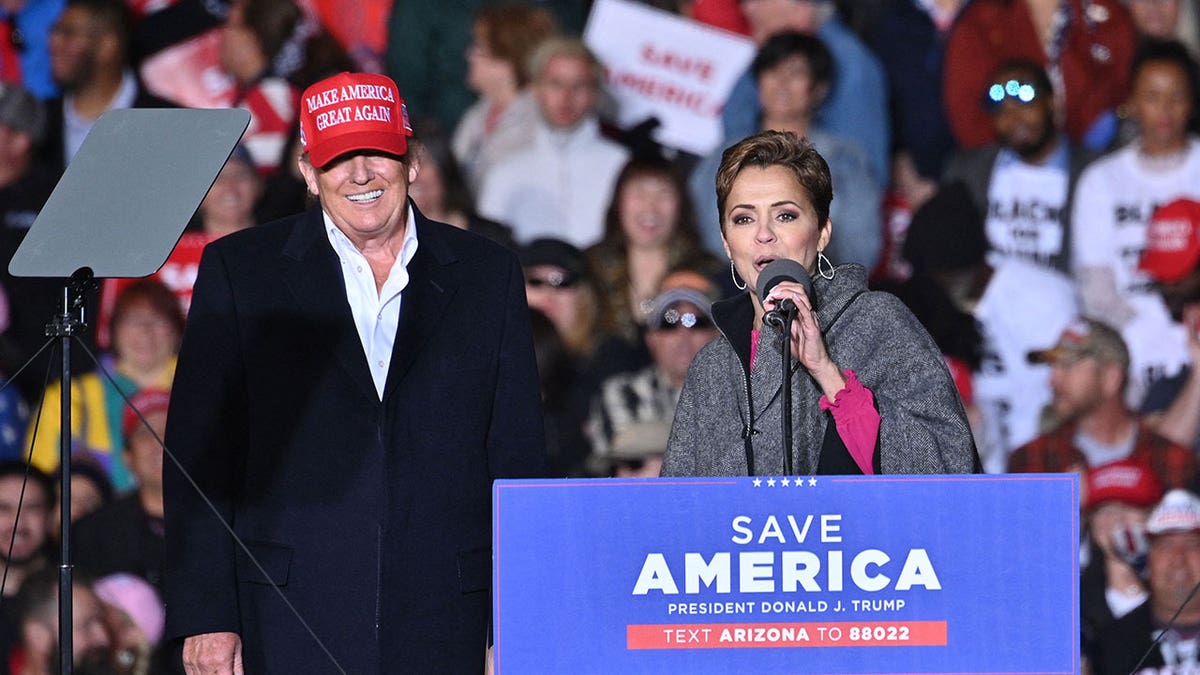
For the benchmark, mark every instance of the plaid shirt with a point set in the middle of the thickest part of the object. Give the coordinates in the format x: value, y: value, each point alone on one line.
x: 1055, y: 452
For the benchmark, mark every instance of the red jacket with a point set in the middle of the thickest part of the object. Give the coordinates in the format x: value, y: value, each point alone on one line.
x: 1095, y: 62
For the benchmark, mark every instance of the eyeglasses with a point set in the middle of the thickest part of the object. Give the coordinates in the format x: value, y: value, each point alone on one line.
x: 1021, y: 92
x: 553, y: 280
x: 673, y: 319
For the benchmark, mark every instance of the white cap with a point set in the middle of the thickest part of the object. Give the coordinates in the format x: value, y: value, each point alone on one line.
x: 1179, y: 511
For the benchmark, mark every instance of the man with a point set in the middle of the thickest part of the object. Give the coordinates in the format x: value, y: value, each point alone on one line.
x: 561, y: 185
x: 1088, y: 373
x: 91, y: 644
x: 1019, y: 307
x: 1024, y: 182
x: 1173, y: 569
x: 631, y: 416
x: 856, y: 106
x: 1172, y: 261
x: 1088, y: 44
x: 29, y: 550
x: 90, y: 62
x: 1117, y: 500
x: 25, y: 185
x: 350, y: 383
x: 126, y: 535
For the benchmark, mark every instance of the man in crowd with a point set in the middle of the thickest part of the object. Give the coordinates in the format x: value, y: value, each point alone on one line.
x: 1172, y: 261
x: 29, y: 551
x: 25, y: 184
x: 90, y: 62
x: 351, y: 382
x: 631, y: 417
x: 1023, y: 182
x: 1019, y: 306
x: 1117, y: 500
x: 1173, y: 569
x: 91, y: 643
x: 1088, y: 374
x: 559, y: 186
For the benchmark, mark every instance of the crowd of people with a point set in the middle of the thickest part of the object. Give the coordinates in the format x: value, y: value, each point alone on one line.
x: 1023, y: 174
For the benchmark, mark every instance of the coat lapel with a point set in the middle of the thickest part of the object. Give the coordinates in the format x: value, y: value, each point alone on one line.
x: 430, y: 289
x: 315, y: 279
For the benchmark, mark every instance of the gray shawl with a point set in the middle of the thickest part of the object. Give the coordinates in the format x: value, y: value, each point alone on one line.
x: 923, y: 428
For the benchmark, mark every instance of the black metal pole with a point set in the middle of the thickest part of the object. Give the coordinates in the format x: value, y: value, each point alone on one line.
x: 65, y: 326
x: 65, y: 570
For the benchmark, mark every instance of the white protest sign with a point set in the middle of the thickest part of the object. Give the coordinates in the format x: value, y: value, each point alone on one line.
x: 667, y: 66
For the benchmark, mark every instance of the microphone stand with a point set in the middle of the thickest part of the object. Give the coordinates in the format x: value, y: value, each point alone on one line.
x: 70, y: 322
x: 784, y: 323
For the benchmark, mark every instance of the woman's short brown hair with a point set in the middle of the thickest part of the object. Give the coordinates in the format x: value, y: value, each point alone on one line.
x: 151, y: 293
x: 777, y: 148
x: 513, y: 32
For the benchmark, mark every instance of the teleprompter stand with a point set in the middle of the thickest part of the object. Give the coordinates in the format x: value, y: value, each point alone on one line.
x: 117, y: 212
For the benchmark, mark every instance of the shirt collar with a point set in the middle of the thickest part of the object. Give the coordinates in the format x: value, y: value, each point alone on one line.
x: 1059, y: 159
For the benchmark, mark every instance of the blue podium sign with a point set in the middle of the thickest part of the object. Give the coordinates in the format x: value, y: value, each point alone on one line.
x: 826, y: 574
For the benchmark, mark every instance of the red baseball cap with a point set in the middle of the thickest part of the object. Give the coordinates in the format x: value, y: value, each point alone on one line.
x: 1128, y: 482
x: 1172, y: 241
x: 352, y: 111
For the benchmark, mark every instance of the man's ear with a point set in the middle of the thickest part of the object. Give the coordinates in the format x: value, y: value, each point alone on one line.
x: 308, y: 172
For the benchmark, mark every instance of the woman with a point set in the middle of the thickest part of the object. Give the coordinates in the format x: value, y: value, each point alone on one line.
x: 861, y: 354
x: 501, y: 121
x: 1118, y: 193
x: 648, y: 230
x: 147, y: 326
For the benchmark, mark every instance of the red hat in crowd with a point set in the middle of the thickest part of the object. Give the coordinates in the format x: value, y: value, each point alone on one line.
x: 149, y: 401
x: 353, y: 111
x: 1128, y: 482
x: 1172, y: 241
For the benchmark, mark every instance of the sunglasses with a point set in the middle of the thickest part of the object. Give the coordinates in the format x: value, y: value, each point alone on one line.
x: 553, y: 280
x: 1021, y: 92
x: 673, y: 319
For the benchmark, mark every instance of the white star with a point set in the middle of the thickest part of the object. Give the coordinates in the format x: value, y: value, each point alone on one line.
x: 770, y: 482
x: 799, y: 482
x: 757, y: 482
x: 812, y: 481
x: 785, y: 482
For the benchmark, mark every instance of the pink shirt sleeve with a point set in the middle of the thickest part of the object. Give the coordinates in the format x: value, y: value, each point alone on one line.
x: 856, y: 419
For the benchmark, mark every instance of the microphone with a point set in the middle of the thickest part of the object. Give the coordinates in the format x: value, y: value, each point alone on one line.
x: 775, y: 272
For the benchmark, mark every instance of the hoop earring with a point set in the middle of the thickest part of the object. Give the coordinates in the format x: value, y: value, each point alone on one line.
x: 826, y: 272
x: 733, y: 273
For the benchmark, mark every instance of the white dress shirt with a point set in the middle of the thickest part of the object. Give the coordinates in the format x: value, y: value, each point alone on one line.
x: 376, y: 312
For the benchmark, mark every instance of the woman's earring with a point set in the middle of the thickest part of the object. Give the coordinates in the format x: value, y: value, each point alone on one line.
x: 825, y: 272
x: 733, y: 273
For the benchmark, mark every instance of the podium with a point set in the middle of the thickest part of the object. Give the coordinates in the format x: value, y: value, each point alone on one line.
x: 810, y: 574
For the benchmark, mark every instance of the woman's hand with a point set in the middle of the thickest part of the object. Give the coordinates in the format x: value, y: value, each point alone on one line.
x: 808, y: 346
